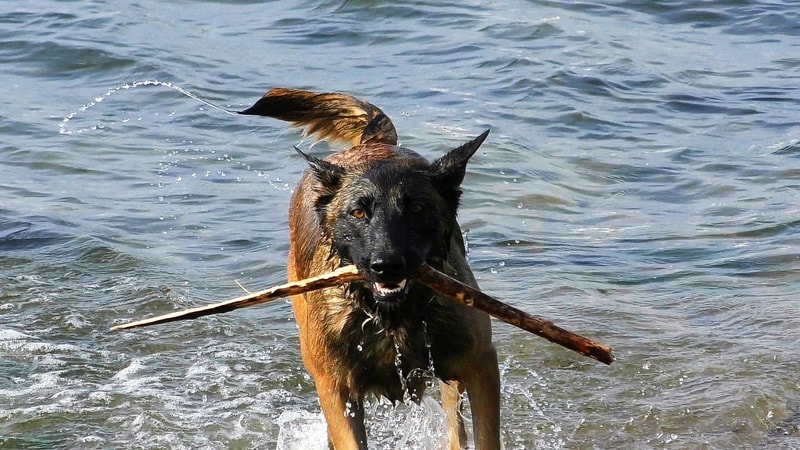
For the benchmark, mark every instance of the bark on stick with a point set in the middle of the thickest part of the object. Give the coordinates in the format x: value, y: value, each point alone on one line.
x: 337, y: 277
x: 467, y: 295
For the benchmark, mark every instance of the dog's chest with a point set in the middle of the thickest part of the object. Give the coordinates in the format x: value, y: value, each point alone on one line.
x: 385, y: 362
x: 395, y: 362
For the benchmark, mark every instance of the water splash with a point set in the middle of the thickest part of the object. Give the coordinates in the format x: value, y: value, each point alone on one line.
x: 409, y: 425
x: 465, y: 237
x: 62, y: 126
x: 398, y: 365
x: 301, y: 430
x: 427, y: 373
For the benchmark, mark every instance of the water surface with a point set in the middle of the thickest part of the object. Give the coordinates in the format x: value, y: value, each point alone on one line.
x: 639, y: 186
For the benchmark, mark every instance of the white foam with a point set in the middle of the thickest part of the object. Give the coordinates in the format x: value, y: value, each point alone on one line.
x: 410, y: 425
x: 129, y: 372
x: 302, y: 430
x: 13, y: 335
x: 18, y: 343
x: 47, y: 381
x: 405, y: 426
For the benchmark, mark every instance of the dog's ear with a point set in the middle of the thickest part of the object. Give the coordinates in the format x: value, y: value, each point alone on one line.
x: 328, y: 174
x: 448, y: 171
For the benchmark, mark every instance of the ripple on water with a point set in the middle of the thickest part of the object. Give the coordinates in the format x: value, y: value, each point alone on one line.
x: 639, y: 186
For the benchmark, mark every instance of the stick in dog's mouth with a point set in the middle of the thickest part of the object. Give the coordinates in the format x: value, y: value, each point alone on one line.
x: 434, y: 279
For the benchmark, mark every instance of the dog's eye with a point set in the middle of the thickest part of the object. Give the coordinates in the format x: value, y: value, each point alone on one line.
x: 417, y: 208
x: 358, y: 213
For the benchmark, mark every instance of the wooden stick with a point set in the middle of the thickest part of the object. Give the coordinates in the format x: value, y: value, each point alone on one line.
x: 426, y: 275
x: 337, y: 277
x: 460, y: 292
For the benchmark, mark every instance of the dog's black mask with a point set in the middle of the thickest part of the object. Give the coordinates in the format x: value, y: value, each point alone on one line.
x: 391, y: 215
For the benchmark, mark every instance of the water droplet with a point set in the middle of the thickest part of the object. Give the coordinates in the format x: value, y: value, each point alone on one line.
x: 348, y: 412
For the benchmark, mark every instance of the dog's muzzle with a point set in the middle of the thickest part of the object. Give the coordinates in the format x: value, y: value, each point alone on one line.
x: 387, y: 282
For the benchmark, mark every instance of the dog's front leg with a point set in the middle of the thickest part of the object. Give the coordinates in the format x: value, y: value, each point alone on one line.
x: 483, y: 388
x: 344, y: 415
x: 451, y: 402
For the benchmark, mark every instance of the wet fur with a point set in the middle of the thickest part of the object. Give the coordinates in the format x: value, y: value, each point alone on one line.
x: 349, y: 338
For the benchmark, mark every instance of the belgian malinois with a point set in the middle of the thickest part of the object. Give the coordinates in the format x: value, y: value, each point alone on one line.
x: 387, y: 210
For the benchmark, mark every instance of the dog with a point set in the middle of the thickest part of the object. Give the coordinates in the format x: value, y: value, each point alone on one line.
x: 387, y: 210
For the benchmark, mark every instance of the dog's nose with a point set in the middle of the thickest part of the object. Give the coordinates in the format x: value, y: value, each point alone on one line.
x: 388, y: 266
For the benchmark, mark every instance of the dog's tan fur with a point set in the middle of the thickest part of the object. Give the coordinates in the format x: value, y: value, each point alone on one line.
x: 348, y: 356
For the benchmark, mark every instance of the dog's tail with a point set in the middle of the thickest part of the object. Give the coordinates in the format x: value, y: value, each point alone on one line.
x: 332, y: 116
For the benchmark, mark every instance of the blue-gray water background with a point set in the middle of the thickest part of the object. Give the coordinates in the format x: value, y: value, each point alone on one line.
x: 640, y: 186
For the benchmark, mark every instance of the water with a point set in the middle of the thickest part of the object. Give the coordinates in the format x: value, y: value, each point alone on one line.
x: 639, y: 186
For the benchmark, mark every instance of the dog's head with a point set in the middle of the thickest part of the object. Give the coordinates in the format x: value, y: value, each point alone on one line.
x: 388, y: 216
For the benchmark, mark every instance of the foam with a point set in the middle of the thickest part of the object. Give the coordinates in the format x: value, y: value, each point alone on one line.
x: 302, y: 430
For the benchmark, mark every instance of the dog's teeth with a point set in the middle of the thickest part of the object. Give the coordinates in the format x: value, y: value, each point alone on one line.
x: 386, y: 289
